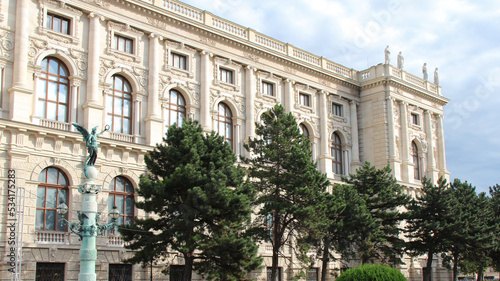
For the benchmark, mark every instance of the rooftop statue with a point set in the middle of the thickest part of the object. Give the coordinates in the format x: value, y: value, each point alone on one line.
x: 387, y: 55
x: 436, y: 77
x: 91, y: 144
x: 424, y: 71
x: 401, y: 60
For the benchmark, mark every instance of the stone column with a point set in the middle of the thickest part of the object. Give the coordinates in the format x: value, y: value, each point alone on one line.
x: 73, y: 98
x: 431, y: 166
x: 325, y: 159
x: 136, y: 119
x: 93, y: 103
x: 405, y: 144
x: 205, y: 120
x: 354, y: 133
x: 289, y: 95
x: 237, y: 138
x: 441, y: 148
x: 20, y: 95
x: 153, y: 120
x: 393, y: 161
x: 250, y: 102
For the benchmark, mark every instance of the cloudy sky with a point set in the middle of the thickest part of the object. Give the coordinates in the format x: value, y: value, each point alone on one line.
x: 460, y: 37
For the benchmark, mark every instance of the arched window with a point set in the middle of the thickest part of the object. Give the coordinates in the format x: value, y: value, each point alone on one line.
x: 119, y: 105
x: 337, y: 153
x: 225, y: 123
x: 52, y: 191
x: 175, y: 109
x: 304, y: 131
x: 416, y: 161
x: 53, y: 90
x: 121, y: 195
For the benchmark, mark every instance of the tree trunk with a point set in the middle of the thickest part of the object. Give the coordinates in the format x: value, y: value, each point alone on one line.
x: 428, y: 269
x: 455, y: 266
x: 276, y: 247
x: 325, y: 259
x: 188, y: 267
x: 480, y: 274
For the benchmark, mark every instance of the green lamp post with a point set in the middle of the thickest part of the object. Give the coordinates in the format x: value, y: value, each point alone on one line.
x: 88, y: 227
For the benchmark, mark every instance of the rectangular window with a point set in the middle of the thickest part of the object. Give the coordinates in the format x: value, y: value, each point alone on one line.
x: 226, y: 75
x: 267, y: 88
x: 123, y: 44
x: 312, y: 274
x: 58, y: 23
x: 305, y: 99
x: 269, y: 271
x: 337, y: 109
x: 49, y: 271
x: 415, y: 119
x: 176, y: 272
x: 178, y: 61
x: 120, y: 272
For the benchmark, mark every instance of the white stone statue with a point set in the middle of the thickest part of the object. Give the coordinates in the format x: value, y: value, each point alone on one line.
x: 387, y: 55
x: 424, y: 71
x: 436, y: 77
x: 401, y: 60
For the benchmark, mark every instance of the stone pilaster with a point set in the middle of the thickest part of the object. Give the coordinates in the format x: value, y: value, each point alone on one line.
x: 93, y: 102
x: 205, y: 120
x: 20, y: 96
x: 405, y: 142
x: 153, y: 120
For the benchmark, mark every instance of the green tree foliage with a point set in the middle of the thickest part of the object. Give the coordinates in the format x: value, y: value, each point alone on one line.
x: 428, y: 215
x: 198, y: 205
x: 288, y: 183
x: 344, y: 214
x: 495, y: 204
x: 383, y: 198
x: 371, y: 272
x: 470, y: 232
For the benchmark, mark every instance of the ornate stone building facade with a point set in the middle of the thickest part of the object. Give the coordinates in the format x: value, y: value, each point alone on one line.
x: 139, y: 66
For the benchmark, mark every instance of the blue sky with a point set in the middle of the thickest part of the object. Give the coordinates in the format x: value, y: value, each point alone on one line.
x: 460, y: 37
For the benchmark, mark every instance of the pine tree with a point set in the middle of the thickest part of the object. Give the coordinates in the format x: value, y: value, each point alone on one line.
x: 469, y: 233
x: 288, y: 183
x: 426, y: 226
x: 198, y: 206
x: 495, y: 205
x: 384, y: 198
x: 344, y: 214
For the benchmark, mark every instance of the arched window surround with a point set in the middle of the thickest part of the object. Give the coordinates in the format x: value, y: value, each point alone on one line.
x: 52, y: 191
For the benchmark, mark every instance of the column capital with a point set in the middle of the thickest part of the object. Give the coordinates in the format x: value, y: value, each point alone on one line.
x: 249, y: 67
x: 96, y: 15
x: 391, y: 98
x: 353, y: 102
x: 404, y: 103
x: 206, y: 53
x: 288, y: 80
x: 155, y: 36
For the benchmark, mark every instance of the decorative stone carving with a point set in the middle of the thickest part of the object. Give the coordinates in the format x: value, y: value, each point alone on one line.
x: 7, y: 44
x: 207, y: 41
x: 157, y: 22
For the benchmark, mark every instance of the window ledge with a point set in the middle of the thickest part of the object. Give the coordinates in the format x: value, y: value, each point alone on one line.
x: 58, y: 36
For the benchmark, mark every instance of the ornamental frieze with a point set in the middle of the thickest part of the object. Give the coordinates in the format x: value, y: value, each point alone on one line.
x: 7, y: 44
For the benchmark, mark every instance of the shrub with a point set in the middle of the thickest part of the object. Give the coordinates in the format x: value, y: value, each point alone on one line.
x: 371, y: 272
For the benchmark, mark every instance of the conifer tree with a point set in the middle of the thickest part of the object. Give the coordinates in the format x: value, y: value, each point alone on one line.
x: 345, y: 214
x: 288, y: 183
x: 495, y: 205
x: 198, y: 206
x: 427, y: 227
x: 383, y: 198
x: 469, y: 234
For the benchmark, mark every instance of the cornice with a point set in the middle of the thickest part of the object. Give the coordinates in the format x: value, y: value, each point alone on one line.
x: 407, y: 87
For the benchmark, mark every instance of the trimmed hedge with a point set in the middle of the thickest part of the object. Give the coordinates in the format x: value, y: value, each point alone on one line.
x: 371, y: 272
